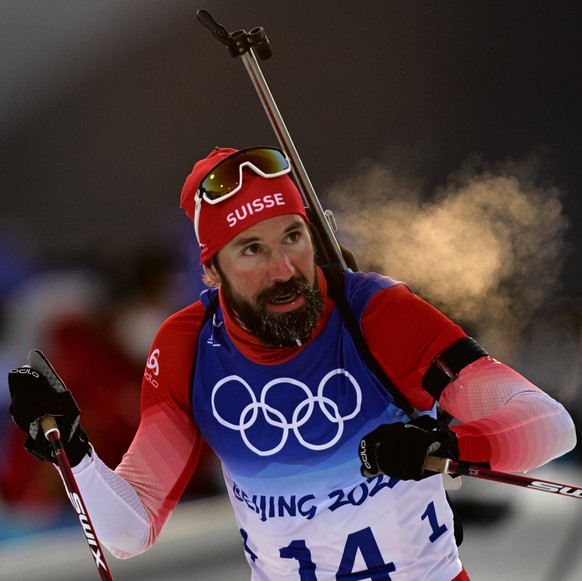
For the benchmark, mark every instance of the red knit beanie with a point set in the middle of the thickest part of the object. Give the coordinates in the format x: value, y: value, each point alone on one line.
x: 259, y: 198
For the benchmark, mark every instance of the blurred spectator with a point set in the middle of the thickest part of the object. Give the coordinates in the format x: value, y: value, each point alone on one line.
x: 29, y: 488
x: 96, y: 326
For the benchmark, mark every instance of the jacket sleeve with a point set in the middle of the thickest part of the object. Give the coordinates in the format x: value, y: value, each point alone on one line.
x: 505, y: 419
x: 405, y: 334
x: 130, y: 505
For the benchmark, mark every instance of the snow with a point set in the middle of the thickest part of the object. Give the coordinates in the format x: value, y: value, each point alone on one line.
x: 537, y: 540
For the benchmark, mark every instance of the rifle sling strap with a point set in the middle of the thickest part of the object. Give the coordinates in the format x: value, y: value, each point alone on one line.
x: 444, y: 369
x: 334, y: 277
x: 441, y: 372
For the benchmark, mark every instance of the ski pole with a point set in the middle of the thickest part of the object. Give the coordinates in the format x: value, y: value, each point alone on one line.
x: 242, y: 43
x: 51, y: 432
x: 447, y: 466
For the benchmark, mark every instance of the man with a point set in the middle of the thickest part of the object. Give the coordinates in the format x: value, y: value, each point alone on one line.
x: 281, y: 393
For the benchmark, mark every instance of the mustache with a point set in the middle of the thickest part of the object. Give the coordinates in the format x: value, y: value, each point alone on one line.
x: 294, y: 285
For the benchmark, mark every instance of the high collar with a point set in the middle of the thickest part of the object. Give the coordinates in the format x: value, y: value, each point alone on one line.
x: 250, y: 345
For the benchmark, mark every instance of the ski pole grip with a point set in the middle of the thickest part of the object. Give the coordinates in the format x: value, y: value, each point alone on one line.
x: 49, y: 424
x: 436, y: 464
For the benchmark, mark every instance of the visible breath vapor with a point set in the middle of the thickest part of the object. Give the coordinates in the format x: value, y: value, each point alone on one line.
x: 486, y: 248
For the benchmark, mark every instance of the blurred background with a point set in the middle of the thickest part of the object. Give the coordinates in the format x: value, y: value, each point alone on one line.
x: 444, y: 136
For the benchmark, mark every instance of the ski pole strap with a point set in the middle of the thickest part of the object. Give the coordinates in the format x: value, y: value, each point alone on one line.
x: 334, y: 276
x: 446, y: 367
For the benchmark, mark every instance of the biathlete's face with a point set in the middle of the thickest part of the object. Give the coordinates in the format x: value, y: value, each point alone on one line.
x: 269, y: 279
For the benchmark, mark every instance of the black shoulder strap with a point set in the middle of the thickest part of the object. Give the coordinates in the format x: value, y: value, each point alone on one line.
x: 335, y: 284
x: 334, y: 276
x: 442, y: 370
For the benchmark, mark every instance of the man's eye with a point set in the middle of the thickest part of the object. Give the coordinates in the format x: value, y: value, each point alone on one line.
x: 252, y: 249
x: 294, y: 236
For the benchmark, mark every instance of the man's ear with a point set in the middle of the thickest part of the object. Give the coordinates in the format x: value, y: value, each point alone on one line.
x: 211, y: 272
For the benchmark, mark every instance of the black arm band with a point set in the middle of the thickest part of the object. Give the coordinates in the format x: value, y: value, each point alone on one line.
x: 446, y: 367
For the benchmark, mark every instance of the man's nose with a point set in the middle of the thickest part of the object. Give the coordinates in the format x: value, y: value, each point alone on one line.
x: 280, y: 268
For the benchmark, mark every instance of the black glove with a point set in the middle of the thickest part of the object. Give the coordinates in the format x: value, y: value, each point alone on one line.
x: 38, y: 391
x: 400, y: 449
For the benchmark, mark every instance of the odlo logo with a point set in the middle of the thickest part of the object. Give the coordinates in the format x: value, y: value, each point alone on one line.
x: 153, y: 365
x: 25, y: 371
x: 364, y: 455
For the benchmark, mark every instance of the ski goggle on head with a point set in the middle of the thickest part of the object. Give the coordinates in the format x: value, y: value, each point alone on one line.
x: 226, y: 178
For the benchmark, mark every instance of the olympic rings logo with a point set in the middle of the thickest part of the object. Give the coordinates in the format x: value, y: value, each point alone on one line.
x: 300, y: 416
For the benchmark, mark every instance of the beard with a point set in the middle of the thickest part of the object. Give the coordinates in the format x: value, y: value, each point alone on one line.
x: 279, y: 329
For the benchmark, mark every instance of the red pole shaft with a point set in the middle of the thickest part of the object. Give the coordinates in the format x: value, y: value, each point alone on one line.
x: 52, y: 435
x: 464, y: 469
